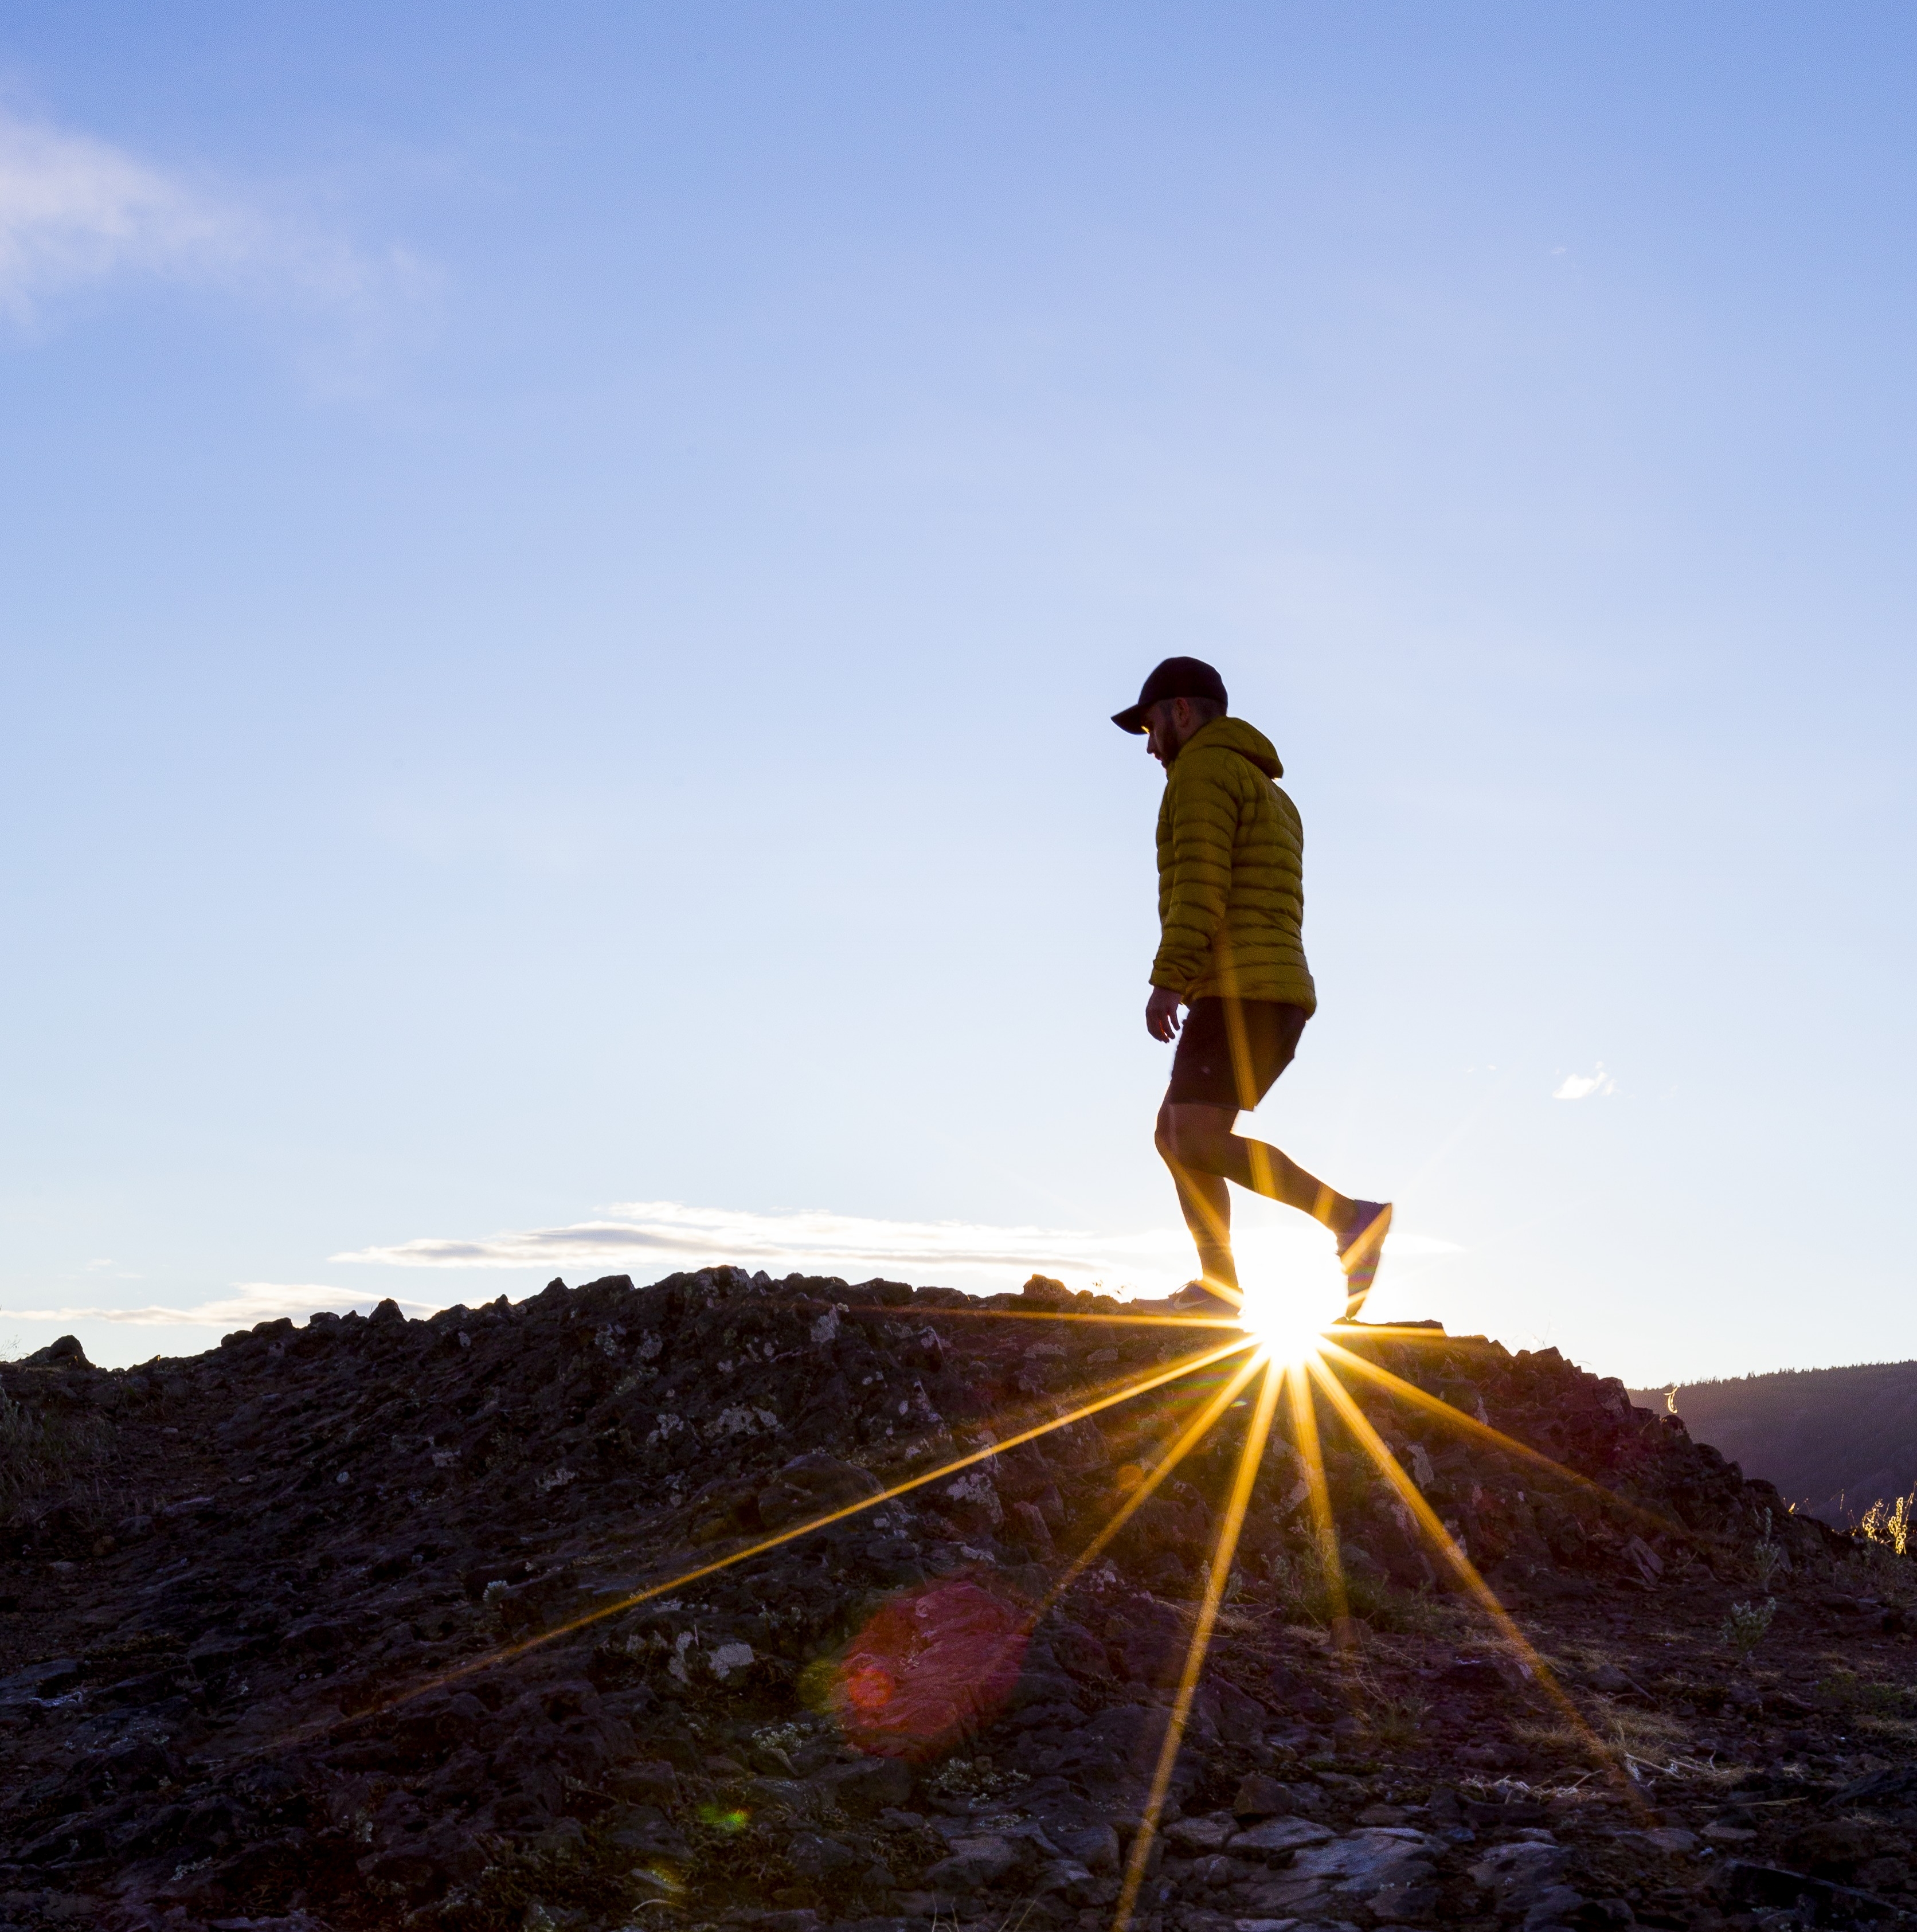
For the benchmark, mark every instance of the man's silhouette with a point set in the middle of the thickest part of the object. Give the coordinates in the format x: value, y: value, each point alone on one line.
x: 1231, y: 904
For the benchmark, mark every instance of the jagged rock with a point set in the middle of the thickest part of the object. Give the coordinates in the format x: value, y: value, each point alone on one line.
x: 65, y: 1353
x: 813, y: 1856
x: 808, y: 1486
x: 866, y: 1787
x: 976, y: 1864
x: 1515, y: 1875
x: 1738, y: 1883
x: 1095, y: 1846
x: 1352, y: 1870
x: 1275, y: 1837
x: 1200, y: 1834
x: 1259, y: 1796
x: 1831, y: 1848
x: 1898, y: 1784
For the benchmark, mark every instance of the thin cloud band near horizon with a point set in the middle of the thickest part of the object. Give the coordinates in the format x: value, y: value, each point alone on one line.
x: 674, y: 1231
x: 671, y: 1230
x: 809, y: 1241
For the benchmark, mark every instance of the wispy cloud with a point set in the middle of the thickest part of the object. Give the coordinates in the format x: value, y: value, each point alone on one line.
x: 810, y: 1238
x: 75, y: 209
x: 1582, y: 1086
x: 251, y: 1301
x: 816, y: 1241
x: 641, y: 1237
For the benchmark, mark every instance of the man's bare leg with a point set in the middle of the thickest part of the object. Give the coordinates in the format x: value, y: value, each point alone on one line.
x: 1199, y: 1145
x: 1206, y: 1203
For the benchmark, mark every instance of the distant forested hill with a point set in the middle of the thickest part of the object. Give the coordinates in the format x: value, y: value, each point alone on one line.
x: 1833, y: 1440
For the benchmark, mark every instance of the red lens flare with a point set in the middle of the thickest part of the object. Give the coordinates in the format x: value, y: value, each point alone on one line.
x: 928, y: 1669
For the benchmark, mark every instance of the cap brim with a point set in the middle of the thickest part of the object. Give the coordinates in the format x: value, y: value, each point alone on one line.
x: 1132, y: 720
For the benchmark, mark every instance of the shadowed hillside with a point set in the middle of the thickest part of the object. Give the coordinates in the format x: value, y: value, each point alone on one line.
x: 732, y: 1605
x: 1833, y: 1440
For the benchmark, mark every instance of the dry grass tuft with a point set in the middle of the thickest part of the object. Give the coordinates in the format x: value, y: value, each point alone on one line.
x: 1887, y: 1526
x: 44, y: 1452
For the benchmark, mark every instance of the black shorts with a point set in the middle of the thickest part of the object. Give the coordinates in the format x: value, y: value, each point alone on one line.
x: 1230, y: 1051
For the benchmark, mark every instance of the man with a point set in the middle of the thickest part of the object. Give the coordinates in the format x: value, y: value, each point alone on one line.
x: 1231, y: 903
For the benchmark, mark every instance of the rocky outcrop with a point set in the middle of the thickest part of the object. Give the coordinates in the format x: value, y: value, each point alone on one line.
x: 468, y: 1623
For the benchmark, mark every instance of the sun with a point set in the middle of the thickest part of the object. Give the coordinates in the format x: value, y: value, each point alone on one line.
x: 1290, y: 1327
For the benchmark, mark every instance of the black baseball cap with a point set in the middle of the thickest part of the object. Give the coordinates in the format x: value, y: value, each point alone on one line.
x: 1176, y: 677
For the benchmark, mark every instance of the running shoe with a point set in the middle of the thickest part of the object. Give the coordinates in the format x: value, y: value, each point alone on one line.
x: 1359, y: 1248
x: 1200, y: 1297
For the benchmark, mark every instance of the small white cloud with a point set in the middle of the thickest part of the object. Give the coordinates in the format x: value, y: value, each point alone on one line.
x: 252, y: 1301
x: 1582, y: 1086
x: 75, y: 210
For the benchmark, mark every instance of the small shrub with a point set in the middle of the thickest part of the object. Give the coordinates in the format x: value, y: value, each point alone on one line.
x: 974, y: 1777
x: 1744, y: 1629
x: 1768, y: 1557
x: 785, y: 1738
x: 1398, y: 1721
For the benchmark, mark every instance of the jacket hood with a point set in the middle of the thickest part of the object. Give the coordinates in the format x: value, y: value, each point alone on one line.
x: 1233, y: 734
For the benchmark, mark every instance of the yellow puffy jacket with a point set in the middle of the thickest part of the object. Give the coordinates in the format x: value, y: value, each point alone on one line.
x: 1231, y: 873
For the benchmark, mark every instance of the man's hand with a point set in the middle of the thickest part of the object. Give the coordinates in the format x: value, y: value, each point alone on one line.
x: 1162, y: 1014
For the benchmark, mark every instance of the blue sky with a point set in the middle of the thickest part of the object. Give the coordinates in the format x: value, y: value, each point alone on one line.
x: 561, y: 576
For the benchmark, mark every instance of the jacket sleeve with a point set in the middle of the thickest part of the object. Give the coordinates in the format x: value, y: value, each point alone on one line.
x: 1195, y: 838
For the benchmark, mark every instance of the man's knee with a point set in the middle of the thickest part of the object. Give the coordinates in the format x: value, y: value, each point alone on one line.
x: 1196, y: 1137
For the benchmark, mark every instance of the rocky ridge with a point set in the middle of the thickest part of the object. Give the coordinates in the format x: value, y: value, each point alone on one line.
x: 336, y: 1626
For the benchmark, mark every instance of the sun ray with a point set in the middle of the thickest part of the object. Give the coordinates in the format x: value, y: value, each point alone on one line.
x: 1142, y: 1433
x: 1224, y: 1549
x: 1139, y: 1432
x: 1090, y: 1318
x: 1456, y: 1418
x: 1199, y: 1427
x: 1324, y: 1526
x: 1431, y: 1332
x: 1374, y: 1444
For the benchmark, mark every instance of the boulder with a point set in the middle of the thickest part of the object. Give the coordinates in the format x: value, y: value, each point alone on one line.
x: 66, y: 1353
x: 976, y: 1864
x: 813, y: 1485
